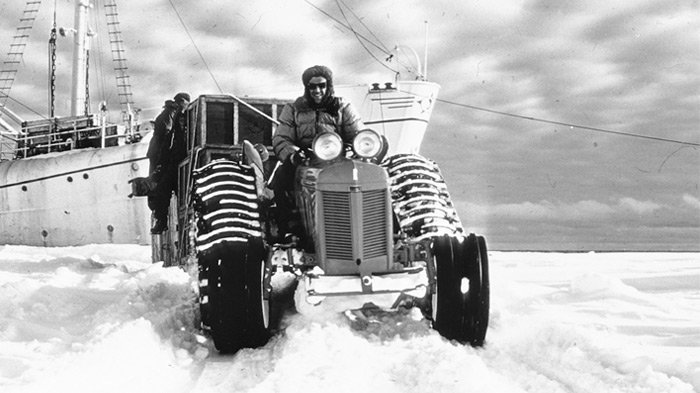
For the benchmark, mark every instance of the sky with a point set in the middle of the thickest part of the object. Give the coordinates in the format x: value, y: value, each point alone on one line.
x: 624, y: 66
x: 103, y: 318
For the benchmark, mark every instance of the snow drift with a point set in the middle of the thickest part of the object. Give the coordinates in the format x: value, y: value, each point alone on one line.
x: 103, y: 318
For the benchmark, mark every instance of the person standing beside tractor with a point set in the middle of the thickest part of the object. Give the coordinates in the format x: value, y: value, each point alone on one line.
x: 165, y: 151
x: 316, y: 112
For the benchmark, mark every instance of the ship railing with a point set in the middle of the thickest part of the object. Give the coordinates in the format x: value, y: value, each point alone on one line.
x: 8, y: 144
x: 35, y: 139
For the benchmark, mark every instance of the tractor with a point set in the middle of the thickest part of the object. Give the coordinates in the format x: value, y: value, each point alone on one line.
x: 373, y: 230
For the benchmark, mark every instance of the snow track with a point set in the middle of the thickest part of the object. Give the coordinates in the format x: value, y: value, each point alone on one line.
x: 421, y: 201
x: 104, y: 319
x: 225, y: 204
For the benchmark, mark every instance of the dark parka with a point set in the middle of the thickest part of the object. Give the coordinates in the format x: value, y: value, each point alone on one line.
x: 159, y: 148
x: 300, y: 123
x: 302, y: 120
x: 165, y: 151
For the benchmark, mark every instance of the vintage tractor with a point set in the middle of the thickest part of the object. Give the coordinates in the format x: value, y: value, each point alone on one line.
x: 374, y: 230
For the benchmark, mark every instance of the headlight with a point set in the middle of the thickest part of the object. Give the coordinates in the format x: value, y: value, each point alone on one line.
x: 367, y: 144
x: 327, y: 146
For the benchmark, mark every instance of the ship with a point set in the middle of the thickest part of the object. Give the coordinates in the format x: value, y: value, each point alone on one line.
x: 65, y: 180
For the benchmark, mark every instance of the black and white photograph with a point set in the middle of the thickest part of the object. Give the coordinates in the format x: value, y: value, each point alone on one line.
x: 394, y: 196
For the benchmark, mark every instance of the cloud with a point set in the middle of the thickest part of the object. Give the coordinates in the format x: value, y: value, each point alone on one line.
x: 553, y: 211
x: 692, y: 201
x: 622, y: 210
x: 639, y: 207
x: 622, y: 224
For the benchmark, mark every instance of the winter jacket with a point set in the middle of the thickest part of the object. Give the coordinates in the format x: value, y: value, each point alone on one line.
x: 300, y: 123
x: 167, y: 142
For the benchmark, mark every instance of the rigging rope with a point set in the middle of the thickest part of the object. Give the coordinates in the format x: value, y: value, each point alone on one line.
x: 25, y: 106
x: 357, y: 35
x: 249, y: 106
x: 342, y: 24
x: 360, y: 37
x: 386, y: 49
x: 99, y: 59
x: 595, y: 129
x: 195, y: 47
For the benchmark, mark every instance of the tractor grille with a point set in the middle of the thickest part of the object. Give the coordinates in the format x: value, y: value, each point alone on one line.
x: 336, y: 220
x: 338, y: 228
x: 374, y: 223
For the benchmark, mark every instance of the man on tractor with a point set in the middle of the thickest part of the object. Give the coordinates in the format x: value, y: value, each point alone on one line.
x: 316, y: 112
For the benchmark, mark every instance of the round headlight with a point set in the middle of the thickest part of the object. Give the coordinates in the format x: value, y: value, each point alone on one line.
x: 328, y: 146
x: 367, y: 144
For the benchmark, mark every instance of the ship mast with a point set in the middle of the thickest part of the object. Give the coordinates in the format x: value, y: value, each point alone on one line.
x: 80, y: 48
x: 52, y: 66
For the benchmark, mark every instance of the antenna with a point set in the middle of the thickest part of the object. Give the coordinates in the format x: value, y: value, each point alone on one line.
x: 425, y: 54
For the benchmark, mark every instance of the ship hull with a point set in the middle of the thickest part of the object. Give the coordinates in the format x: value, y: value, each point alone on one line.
x: 74, y: 198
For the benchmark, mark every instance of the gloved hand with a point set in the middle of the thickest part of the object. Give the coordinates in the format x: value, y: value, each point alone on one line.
x: 262, y: 150
x: 298, y: 157
x: 141, y: 186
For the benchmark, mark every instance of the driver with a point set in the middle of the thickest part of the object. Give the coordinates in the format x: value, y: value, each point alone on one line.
x: 317, y: 111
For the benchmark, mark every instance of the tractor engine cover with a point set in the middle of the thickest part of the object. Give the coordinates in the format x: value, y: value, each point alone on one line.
x: 346, y: 209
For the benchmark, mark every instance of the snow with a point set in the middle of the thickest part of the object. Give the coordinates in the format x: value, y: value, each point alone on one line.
x: 102, y: 318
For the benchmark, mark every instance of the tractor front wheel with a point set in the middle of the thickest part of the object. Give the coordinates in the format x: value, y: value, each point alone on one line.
x: 460, y: 299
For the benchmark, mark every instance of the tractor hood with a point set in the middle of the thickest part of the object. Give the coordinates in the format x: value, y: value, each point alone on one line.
x: 349, y: 175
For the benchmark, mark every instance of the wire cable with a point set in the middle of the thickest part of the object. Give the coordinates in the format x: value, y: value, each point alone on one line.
x: 361, y: 37
x: 25, y: 107
x: 595, y: 129
x: 357, y: 36
x: 345, y: 26
x: 99, y: 59
x: 386, y: 49
x: 182, y: 22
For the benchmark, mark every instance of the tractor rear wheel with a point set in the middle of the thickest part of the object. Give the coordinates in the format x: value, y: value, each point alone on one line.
x: 231, y: 252
x: 235, y: 309
x: 460, y: 300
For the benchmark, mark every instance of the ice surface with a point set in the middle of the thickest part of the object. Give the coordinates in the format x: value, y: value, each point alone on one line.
x: 104, y: 319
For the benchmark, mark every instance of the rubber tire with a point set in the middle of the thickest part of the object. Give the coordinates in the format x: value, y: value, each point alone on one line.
x: 461, y: 316
x: 485, y: 293
x: 236, y: 313
x: 203, y: 293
